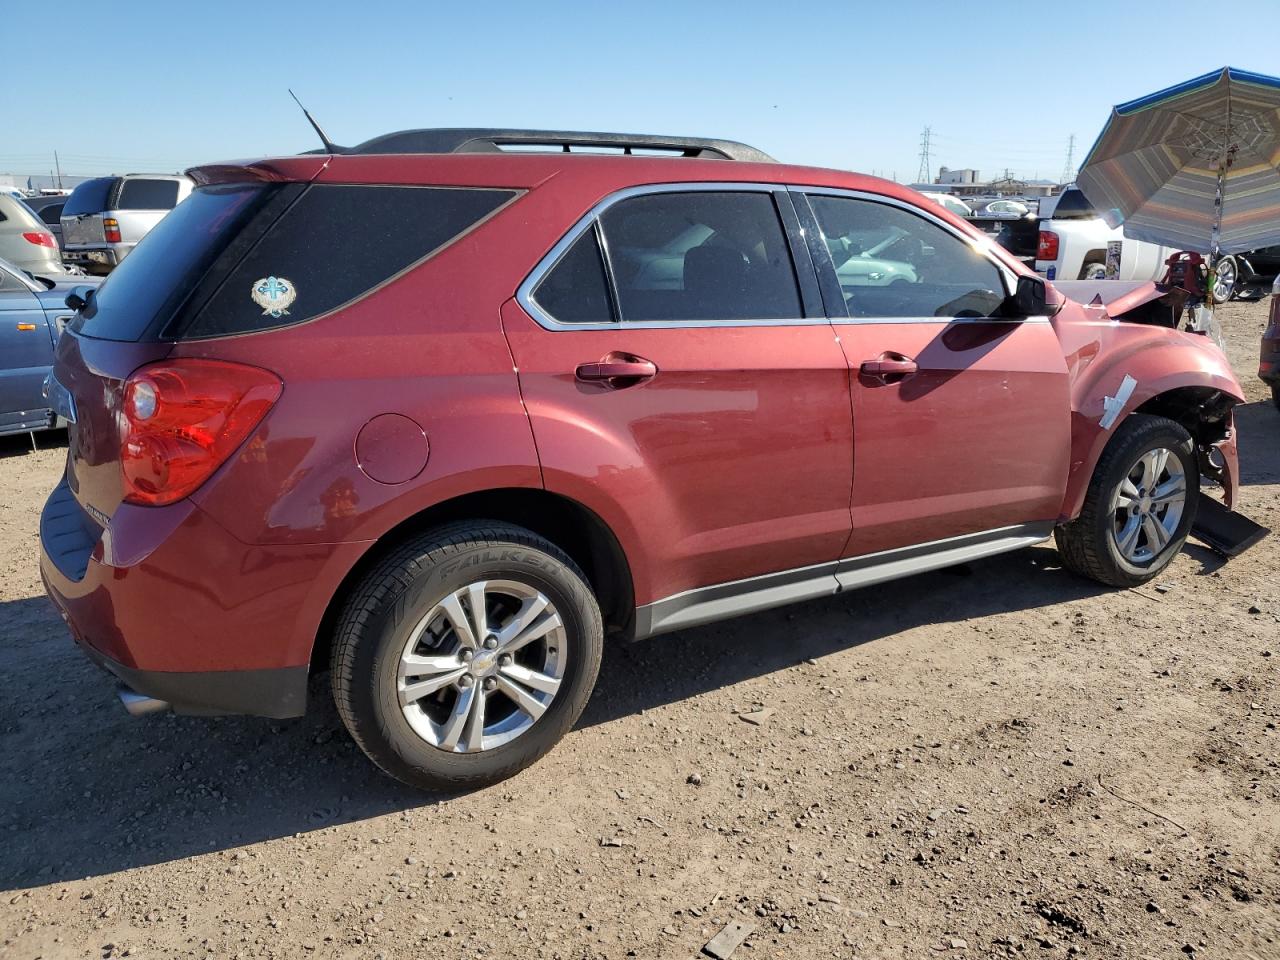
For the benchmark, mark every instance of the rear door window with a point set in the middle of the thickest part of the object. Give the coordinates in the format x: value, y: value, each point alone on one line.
x: 335, y: 244
x: 138, y: 194
x: 700, y: 256
x: 89, y: 197
x: 576, y: 289
x: 1074, y: 205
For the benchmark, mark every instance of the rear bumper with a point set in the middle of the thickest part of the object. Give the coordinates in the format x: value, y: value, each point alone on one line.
x: 105, y: 255
x: 276, y: 693
x: 179, y: 610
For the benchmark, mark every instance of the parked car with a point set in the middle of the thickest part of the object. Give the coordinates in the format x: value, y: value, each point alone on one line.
x: 32, y: 314
x: 524, y: 401
x: 1006, y: 208
x: 24, y: 240
x: 948, y: 202
x: 49, y: 210
x: 1074, y: 241
x: 104, y: 218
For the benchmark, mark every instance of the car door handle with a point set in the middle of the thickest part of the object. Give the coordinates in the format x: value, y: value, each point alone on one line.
x: 889, y: 367
x: 617, y: 370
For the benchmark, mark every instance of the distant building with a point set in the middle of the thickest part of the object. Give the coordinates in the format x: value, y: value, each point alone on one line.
x: 965, y: 176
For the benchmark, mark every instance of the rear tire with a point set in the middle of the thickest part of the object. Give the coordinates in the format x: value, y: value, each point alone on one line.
x: 1093, y: 271
x: 441, y: 700
x: 1132, y: 524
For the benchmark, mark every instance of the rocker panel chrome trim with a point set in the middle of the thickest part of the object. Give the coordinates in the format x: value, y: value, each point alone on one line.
x: 721, y: 601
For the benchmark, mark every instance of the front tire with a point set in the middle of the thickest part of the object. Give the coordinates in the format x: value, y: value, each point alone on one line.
x: 1139, y: 506
x: 465, y: 655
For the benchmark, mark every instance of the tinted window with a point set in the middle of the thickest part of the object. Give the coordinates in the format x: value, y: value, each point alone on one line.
x: 576, y: 289
x: 90, y: 197
x: 147, y: 195
x: 336, y: 244
x: 894, y: 263
x: 1073, y: 205
x: 700, y: 256
x: 51, y: 213
x: 160, y: 271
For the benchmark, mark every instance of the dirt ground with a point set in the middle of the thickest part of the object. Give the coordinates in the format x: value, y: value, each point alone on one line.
x: 998, y: 759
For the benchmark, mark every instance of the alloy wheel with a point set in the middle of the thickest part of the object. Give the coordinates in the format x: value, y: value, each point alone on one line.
x: 1147, y: 506
x: 482, y: 666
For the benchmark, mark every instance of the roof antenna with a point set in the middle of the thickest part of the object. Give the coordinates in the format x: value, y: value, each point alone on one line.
x: 329, y: 145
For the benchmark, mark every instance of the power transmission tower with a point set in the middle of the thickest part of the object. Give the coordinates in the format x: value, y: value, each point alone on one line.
x: 1069, y: 171
x: 926, y: 169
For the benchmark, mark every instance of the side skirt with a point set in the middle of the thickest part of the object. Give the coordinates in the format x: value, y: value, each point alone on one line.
x: 724, y: 600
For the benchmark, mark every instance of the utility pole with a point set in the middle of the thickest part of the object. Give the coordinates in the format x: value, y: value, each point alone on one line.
x: 1069, y: 170
x: 926, y: 170
x: 59, y: 168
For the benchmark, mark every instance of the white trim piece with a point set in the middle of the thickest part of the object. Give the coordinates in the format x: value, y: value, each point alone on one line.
x: 1111, y: 406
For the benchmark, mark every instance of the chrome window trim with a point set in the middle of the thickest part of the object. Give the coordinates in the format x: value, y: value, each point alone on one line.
x: 980, y: 247
x: 524, y: 293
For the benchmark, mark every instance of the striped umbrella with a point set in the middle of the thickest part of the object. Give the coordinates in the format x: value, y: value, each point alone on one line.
x: 1196, y: 166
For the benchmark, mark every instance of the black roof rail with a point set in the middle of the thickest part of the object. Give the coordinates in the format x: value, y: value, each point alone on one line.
x: 491, y: 140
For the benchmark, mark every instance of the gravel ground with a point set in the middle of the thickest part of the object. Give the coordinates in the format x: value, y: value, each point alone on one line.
x: 998, y: 759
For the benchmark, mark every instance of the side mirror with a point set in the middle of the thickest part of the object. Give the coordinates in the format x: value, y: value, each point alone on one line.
x: 1030, y: 299
x: 79, y: 297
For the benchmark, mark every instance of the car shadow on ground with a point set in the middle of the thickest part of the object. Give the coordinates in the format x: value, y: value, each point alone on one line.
x: 89, y: 791
x: 21, y: 444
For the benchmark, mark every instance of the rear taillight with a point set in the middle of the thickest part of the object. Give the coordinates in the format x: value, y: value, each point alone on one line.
x: 183, y: 419
x: 40, y: 239
x: 1047, y: 247
x: 111, y: 229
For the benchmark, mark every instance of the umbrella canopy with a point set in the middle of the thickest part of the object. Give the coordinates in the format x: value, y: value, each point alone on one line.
x: 1195, y: 166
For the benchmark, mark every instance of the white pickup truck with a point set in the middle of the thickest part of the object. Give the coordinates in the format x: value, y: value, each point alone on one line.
x: 1076, y: 244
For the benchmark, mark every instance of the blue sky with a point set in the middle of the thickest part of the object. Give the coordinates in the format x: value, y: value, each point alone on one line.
x: 157, y: 86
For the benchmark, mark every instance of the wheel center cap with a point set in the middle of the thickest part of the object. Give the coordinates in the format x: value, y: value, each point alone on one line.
x: 484, y: 663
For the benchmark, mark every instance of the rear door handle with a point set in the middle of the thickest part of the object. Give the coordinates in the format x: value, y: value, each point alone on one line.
x: 617, y: 370
x: 889, y: 367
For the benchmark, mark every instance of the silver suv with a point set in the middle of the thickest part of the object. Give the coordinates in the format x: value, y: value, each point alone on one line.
x: 106, y: 217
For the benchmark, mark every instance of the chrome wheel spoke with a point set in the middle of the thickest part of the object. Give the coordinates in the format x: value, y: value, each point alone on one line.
x: 473, y: 733
x: 479, y: 614
x: 1127, y: 537
x: 1173, y: 489
x: 524, y: 700
x: 531, y: 678
x: 451, y: 606
x: 451, y: 731
x: 1157, y: 535
x: 523, y: 618
x: 413, y: 692
x: 1159, y: 460
x: 539, y: 628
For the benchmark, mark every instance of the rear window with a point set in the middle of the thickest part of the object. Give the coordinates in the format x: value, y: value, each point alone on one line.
x: 334, y: 245
x: 51, y: 213
x: 158, y: 275
x: 147, y: 195
x: 89, y: 197
x: 1073, y: 205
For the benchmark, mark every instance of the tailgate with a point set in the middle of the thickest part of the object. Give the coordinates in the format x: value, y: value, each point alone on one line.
x: 84, y: 229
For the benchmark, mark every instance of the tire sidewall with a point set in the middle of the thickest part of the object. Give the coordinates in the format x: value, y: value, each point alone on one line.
x: 1171, y: 438
x: 388, y: 630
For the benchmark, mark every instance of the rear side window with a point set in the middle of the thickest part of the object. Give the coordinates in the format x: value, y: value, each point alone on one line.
x: 576, y: 290
x: 698, y: 256
x: 1073, y: 205
x: 89, y: 197
x: 335, y: 244
x: 148, y: 195
x: 51, y: 213
x: 159, y: 274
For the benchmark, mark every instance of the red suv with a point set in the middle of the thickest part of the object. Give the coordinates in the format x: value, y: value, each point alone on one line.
x: 443, y: 415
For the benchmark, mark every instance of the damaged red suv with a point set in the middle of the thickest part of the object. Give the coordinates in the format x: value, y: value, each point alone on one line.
x: 442, y: 416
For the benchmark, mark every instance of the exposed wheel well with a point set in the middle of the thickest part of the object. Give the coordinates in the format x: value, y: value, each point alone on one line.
x: 1202, y: 411
x: 566, y: 523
